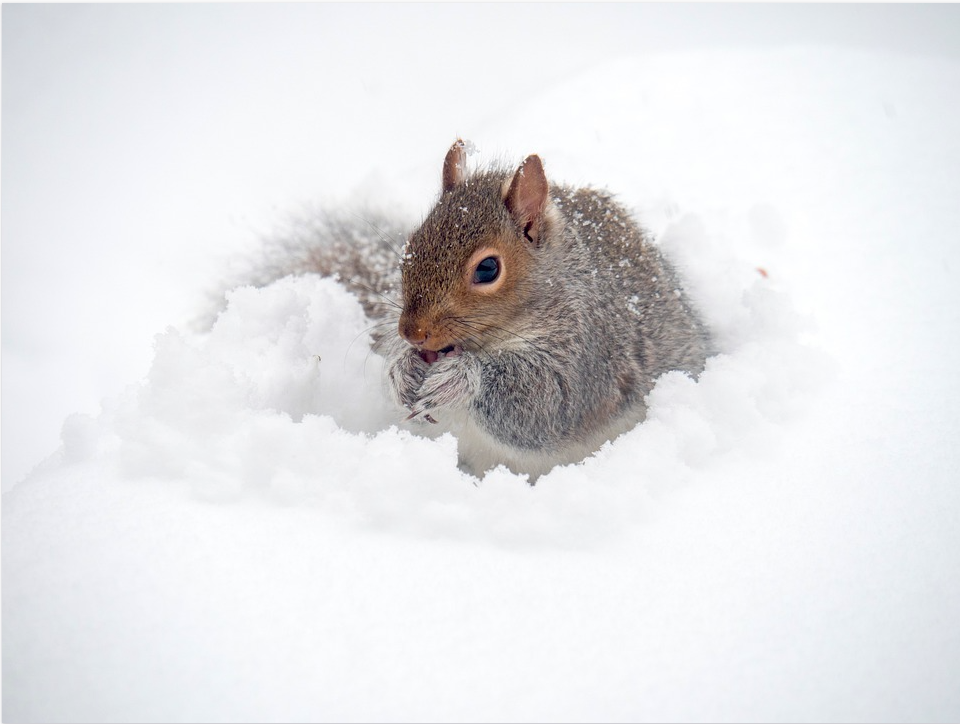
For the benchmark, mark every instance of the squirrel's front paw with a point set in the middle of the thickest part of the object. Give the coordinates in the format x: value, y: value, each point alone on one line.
x: 449, y: 383
x: 407, y: 373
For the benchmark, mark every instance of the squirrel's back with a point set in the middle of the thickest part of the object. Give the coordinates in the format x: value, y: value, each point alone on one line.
x: 642, y: 300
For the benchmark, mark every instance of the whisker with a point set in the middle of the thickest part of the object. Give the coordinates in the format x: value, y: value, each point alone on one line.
x: 381, y: 234
x: 502, y: 333
x: 391, y: 302
x: 468, y: 331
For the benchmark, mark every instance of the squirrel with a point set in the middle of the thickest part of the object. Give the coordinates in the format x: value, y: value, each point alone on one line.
x: 533, y: 318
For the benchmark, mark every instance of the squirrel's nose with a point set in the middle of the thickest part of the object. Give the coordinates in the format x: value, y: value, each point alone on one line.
x: 413, y: 332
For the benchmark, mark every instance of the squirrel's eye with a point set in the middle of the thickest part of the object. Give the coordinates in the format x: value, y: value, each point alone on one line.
x: 487, y: 271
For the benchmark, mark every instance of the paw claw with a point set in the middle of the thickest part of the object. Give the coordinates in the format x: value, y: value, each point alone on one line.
x: 419, y: 411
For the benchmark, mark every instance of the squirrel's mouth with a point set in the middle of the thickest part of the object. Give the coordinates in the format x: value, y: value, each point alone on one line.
x: 429, y: 356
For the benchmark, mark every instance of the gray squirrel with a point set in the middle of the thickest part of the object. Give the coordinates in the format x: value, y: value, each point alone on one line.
x: 533, y: 318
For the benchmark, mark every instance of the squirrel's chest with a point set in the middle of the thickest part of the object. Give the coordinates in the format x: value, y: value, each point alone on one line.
x: 480, y: 451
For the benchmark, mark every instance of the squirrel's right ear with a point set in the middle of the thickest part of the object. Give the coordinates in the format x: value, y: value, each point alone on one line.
x: 455, y: 165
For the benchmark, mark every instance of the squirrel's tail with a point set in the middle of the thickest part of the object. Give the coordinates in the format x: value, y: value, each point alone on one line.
x: 361, y: 247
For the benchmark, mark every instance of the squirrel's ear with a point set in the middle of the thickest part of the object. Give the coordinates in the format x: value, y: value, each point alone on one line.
x: 527, y: 197
x: 454, y: 165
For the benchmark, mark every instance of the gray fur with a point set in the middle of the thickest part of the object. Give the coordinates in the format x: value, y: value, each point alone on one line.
x: 603, y: 316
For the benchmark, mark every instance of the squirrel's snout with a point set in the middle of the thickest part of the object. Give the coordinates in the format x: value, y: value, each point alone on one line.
x: 413, y: 332
x: 424, y: 335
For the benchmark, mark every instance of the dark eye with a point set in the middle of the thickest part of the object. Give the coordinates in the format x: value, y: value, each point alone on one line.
x: 487, y: 271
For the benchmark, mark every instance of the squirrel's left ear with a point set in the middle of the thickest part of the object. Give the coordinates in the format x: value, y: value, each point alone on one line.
x: 455, y: 165
x: 526, y: 200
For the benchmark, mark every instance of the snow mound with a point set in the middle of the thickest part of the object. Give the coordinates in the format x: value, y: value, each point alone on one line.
x: 282, y: 399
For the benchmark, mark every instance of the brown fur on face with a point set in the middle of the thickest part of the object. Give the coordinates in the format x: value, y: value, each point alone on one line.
x: 442, y: 306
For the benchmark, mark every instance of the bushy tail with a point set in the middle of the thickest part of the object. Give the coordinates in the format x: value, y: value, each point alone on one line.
x: 362, y: 248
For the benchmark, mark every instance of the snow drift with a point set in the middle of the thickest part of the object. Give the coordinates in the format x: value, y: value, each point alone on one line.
x: 249, y: 533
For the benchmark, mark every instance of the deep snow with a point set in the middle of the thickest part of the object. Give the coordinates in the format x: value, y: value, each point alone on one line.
x: 243, y: 532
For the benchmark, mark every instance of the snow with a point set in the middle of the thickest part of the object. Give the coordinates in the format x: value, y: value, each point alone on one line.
x: 233, y: 524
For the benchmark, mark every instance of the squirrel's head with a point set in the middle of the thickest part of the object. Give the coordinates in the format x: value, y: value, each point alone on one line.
x: 468, y: 271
